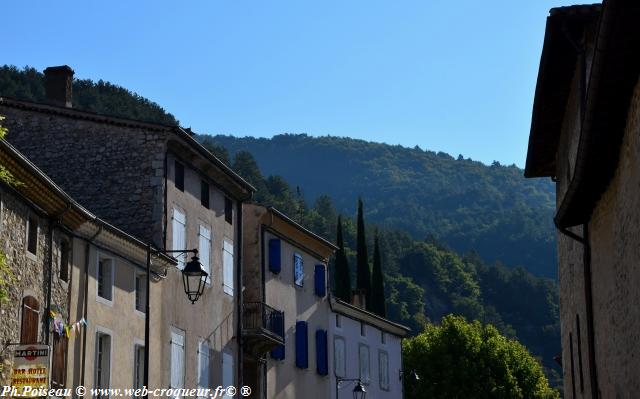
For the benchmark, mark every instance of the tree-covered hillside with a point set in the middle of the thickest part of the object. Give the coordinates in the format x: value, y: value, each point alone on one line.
x: 101, y: 97
x: 425, y: 279
x: 492, y: 210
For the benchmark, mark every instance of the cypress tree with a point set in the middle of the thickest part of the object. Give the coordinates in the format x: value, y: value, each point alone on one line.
x: 342, y: 277
x: 363, y: 273
x: 377, y: 281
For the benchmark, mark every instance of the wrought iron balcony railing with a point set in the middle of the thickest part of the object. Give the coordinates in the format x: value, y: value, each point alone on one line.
x: 261, y: 319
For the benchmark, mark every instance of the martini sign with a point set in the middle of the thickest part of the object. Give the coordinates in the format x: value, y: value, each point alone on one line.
x: 31, y: 366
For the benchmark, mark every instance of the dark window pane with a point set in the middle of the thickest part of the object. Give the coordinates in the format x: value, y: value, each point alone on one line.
x: 204, y: 194
x: 179, y: 176
x: 228, y: 210
x: 64, y: 261
x: 32, y: 238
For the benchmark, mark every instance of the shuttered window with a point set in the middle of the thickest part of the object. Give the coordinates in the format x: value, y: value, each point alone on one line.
x: 275, y: 256
x: 203, y: 364
x: 179, y: 242
x: 227, y: 369
x: 138, y: 366
x: 320, y: 281
x: 339, y: 356
x: 102, y: 365
x: 104, y: 280
x: 322, y: 357
x: 59, y: 362
x: 298, y: 270
x: 177, y: 360
x: 227, y: 266
x: 363, y: 356
x: 204, y: 250
x: 141, y: 292
x: 383, y: 368
x: 302, y: 345
x: 277, y: 325
x: 30, y: 320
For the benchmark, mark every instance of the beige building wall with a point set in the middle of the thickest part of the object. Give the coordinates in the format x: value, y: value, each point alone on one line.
x: 213, y: 318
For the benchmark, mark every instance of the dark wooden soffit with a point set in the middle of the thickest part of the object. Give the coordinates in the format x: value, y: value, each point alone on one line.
x: 557, y: 67
x: 614, y: 75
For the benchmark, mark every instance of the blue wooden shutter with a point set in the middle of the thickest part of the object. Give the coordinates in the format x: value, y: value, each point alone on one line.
x: 274, y: 255
x: 320, y: 281
x: 277, y: 325
x: 322, y: 357
x: 302, y: 345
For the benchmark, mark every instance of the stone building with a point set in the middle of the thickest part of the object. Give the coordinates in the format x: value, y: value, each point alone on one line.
x: 50, y: 242
x: 159, y: 184
x: 585, y: 136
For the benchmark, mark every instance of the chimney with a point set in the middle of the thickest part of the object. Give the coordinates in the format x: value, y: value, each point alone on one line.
x: 359, y: 298
x: 57, y: 85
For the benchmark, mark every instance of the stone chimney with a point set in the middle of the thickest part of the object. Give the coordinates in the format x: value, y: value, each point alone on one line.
x: 359, y: 298
x: 57, y: 85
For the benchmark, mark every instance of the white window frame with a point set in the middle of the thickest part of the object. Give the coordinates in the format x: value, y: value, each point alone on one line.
x: 383, y: 377
x: 102, y: 331
x: 176, y: 332
x: 228, y: 276
x: 364, y: 373
x: 340, y: 372
x: 205, y: 235
x: 139, y: 275
x: 138, y: 363
x: 182, y: 258
x: 204, y: 354
x: 112, y: 263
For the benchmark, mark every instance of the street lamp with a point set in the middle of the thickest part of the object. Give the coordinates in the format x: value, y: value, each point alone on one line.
x: 358, y: 391
x: 193, y: 279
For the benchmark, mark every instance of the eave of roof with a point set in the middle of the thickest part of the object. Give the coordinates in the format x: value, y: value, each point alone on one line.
x: 124, y: 122
x: 347, y: 309
x: 303, y: 229
x: 557, y: 66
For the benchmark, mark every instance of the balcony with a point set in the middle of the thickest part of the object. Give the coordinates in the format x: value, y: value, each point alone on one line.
x: 263, y: 327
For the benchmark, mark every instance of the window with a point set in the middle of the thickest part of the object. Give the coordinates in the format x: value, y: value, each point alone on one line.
x: 104, y: 278
x: 138, y: 366
x: 102, y: 360
x: 302, y: 345
x: 59, y: 362
x: 179, y: 175
x: 383, y: 338
x: 363, y: 329
x: 320, y: 281
x: 275, y: 256
x: 32, y: 235
x: 322, y: 357
x: 383, y: 368
x: 227, y: 266
x: 338, y: 321
x: 177, y: 359
x: 204, y: 250
x: 204, y: 194
x: 227, y: 369
x: 64, y: 260
x: 363, y: 356
x: 339, y: 356
x: 179, y: 241
x: 298, y: 270
x: 30, y: 320
x: 203, y: 364
x: 228, y: 210
x: 141, y: 292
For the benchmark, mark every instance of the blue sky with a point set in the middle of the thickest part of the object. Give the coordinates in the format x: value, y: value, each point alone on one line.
x: 453, y: 76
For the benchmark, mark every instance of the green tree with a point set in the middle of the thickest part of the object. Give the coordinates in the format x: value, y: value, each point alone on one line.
x: 459, y: 359
x: 378, y: 305
x: 363, y: 277
x: 342, y: 277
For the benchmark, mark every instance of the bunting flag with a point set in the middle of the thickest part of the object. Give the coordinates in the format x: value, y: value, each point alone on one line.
x: 61, y: 328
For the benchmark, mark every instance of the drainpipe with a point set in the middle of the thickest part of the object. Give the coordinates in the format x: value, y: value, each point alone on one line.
x: 588, y: 296
x: 239, y: 291
x: 50, y: 280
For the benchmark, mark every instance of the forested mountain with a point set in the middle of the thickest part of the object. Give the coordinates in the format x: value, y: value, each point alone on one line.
x: 426, y: 280
x: 101, y: 97
x: 492, y: 209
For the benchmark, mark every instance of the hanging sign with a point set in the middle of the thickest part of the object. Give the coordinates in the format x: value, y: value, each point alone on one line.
x: 31, y: 366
